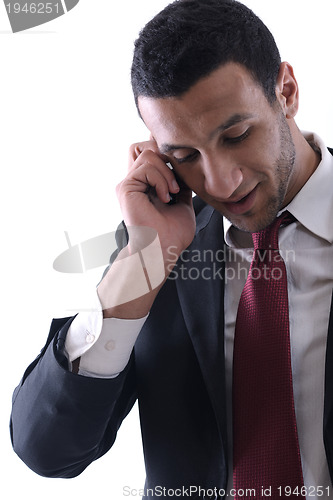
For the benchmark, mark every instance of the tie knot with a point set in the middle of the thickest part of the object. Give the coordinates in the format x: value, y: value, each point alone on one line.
x: 268, y: 238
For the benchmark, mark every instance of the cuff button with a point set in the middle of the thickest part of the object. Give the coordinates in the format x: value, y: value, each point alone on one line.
x: 109, y: 346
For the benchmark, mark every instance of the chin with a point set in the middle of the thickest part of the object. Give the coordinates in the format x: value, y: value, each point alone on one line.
x: 253, y: 223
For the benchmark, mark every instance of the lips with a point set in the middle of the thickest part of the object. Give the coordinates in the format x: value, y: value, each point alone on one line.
x: 242, y: 205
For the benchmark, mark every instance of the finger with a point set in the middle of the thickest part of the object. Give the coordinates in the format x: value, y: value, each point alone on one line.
x: 157, y: 186
x: 152, y: 160
x: 146, y: 179
x: 138, y: 148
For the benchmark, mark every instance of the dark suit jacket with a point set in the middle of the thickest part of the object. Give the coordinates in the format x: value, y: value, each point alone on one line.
x: 61, y: 422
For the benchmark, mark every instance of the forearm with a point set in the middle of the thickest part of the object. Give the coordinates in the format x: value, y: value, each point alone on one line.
x: 133, y: 309
x: 129, y: 288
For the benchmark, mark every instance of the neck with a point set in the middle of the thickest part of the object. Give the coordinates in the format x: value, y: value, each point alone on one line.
x: 306, y: 162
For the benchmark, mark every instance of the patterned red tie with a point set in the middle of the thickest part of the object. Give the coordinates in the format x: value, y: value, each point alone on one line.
x: 266, y: 451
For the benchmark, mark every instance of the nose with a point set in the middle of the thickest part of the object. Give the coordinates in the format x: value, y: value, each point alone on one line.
x: 222, y: 176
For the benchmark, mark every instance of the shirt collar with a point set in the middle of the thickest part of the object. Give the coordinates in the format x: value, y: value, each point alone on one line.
x: 313, y: 204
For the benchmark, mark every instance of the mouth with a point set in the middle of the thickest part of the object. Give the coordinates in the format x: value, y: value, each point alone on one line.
x: 242, y: 205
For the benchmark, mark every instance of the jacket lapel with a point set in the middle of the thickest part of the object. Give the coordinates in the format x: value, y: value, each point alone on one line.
x: 200, y: 290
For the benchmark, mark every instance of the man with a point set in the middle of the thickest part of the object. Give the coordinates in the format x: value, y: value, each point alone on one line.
x: 220, y: 106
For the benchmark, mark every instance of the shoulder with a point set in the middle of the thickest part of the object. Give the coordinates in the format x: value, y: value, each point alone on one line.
x: 199, y: 205
x: 205, y: 214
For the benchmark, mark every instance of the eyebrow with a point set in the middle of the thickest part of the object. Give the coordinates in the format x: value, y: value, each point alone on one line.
x: 231, y: 122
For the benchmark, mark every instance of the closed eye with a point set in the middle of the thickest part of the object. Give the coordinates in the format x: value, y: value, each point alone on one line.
x: 227, y: 140
x: 240, y: 138
x: 187, y: 159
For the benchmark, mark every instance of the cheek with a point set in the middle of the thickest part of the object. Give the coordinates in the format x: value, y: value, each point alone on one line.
x: 263, y: 158
x: 191, y: 177
x: 264, y: 144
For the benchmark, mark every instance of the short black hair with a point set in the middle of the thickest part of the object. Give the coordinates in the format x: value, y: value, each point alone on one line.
x: 189, y: 39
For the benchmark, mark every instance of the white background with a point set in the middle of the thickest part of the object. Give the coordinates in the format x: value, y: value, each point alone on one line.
x: 67, y: 117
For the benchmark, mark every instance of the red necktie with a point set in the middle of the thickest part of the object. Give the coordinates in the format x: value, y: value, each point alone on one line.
x: 266, y: 450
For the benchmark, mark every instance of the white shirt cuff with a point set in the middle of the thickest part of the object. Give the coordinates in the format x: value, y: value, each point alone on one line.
x: 111, y: 352
x: 104, y: 345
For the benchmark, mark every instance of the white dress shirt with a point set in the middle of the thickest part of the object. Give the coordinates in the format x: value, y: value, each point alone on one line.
x: 306, y: 247
x: 105, y: 345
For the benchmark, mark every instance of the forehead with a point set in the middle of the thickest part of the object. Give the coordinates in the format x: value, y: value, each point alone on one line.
x: 228, y: 91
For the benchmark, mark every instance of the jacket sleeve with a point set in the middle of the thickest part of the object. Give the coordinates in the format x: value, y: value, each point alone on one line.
x: 62, y: 421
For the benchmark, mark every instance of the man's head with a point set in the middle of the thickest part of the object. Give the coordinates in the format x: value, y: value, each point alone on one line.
x: 220, y: 105
x: 190, y: 39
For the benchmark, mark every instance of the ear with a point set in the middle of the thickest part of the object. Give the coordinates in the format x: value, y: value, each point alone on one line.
x: 287, y: 90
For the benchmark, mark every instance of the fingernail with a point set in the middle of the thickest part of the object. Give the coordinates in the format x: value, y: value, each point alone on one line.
x: 175, y: 185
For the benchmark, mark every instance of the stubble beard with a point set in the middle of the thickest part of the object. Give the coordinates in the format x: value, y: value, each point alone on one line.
x: 283, y: 168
